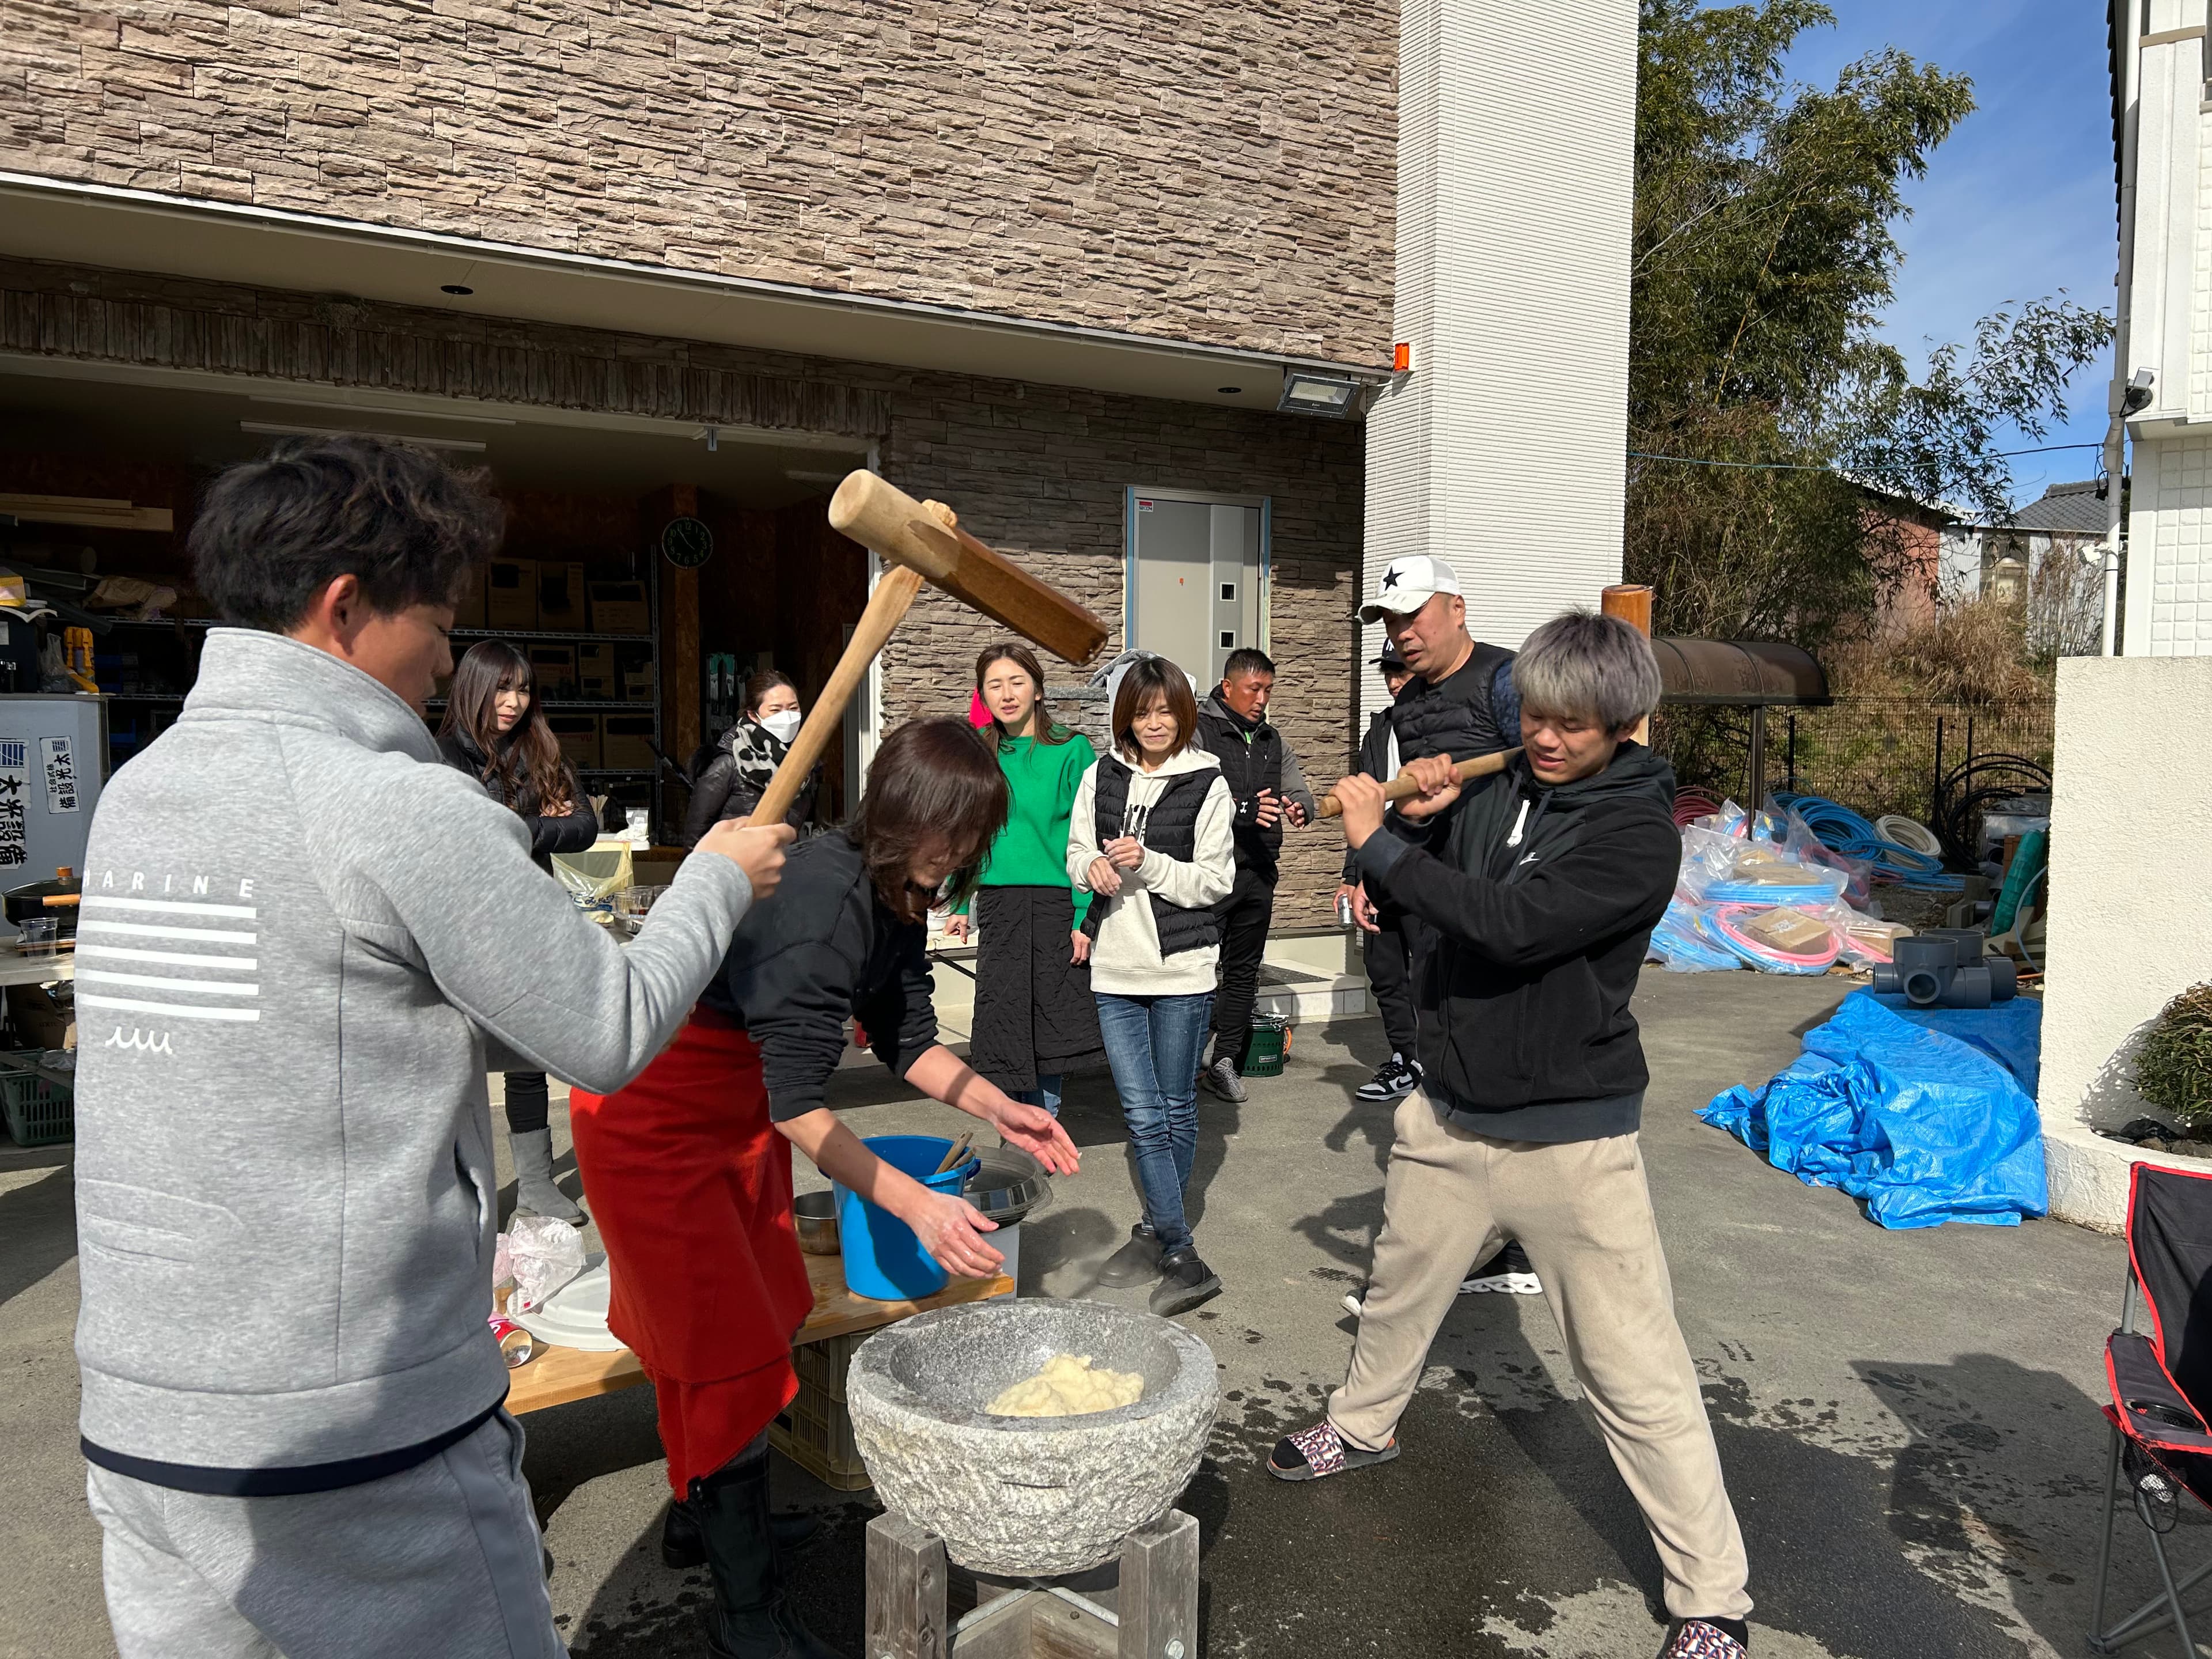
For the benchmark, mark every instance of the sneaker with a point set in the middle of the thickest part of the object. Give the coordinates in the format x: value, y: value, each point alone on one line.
x: 1222, y: 1082
x: 1394, y: 1080
x: 1185, y: 1282
x: 1707, y: 1638
x: 1506, y: 1273
x: 1137, y: 1262
x: 1353, y: 1302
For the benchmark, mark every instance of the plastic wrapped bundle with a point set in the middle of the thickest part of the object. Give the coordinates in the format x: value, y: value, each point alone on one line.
x: 1679, y: 944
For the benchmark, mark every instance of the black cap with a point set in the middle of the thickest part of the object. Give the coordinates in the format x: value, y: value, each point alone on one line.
x: 1390, y: 662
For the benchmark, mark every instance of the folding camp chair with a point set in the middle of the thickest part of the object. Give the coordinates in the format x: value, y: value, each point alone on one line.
x: 2162, y: 1383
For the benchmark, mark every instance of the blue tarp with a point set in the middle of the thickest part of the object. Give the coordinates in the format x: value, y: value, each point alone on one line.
x: 1921, y: 1113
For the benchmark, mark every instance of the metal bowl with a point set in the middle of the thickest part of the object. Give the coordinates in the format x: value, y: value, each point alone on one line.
x: 816, y: 1216
x: 1007, y: 1185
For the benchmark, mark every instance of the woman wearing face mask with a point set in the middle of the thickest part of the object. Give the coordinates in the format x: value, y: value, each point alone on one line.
x: 689, y: 1172
x: 1035, y: 1018
x: 736, y: 768
x: 494, y: 731
x: 1149, y: 838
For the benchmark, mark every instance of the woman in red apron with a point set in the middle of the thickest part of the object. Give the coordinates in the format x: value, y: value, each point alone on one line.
x: 690, y: 1179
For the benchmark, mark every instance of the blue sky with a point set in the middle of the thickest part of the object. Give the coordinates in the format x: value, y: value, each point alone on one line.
x: 2018, y: 203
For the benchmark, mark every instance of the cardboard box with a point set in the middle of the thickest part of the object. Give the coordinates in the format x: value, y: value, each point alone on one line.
x: 598, y: 679
x: 511, y: 593
x: 579, y: 737
x: 468, y: 609
x: 626, y: 741
x: 620, y: 608
x: 561, y: 597
x: 552, y: 670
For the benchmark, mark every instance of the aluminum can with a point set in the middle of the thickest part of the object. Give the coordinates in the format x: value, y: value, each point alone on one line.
x: 1343, y: 909
x: 519, y: 1346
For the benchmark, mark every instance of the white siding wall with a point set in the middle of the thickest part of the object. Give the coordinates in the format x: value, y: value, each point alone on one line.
x: 1504, y: 450
x: 2170, y: 550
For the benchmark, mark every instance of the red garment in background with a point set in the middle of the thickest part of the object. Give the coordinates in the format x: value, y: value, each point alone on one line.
x: 690, y: 1185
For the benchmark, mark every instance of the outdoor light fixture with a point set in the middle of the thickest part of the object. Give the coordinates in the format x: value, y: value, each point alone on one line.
x: 1326, y: 395
x: 455, y: 288
x: 1229, y: 390
x: 278, y: 429
x: 2137, y: 395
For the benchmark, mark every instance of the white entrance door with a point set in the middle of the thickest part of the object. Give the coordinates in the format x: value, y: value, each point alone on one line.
x: 1196, y: 569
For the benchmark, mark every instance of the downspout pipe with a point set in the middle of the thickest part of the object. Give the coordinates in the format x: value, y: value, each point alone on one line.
x: 2126, y: 61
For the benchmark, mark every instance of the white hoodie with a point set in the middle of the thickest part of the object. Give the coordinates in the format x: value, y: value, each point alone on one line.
x: 1125, y: 959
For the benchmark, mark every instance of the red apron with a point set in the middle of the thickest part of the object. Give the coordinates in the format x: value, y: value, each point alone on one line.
x: 690, y: 1185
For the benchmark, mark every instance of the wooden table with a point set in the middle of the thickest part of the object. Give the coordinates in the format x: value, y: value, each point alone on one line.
x: 559, y: 1375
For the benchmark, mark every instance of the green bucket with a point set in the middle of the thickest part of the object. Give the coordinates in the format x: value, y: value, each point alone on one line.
x: 1266, y: 1046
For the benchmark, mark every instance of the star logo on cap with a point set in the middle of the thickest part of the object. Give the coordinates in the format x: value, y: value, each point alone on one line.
x: 1390, y: 578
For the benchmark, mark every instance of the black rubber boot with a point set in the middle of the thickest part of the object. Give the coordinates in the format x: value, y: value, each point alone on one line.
x: 682, y: 1545
x: 752, y: 1616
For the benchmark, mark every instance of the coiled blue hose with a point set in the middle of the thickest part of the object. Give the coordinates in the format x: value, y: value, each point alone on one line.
x: 1842, y: 830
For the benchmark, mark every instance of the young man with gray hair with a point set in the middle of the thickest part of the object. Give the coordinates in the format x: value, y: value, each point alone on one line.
x: 1542, y: 887
x: 305, y: 942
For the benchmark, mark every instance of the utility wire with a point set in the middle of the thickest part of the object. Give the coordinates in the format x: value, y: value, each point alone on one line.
x: 1805, y: 466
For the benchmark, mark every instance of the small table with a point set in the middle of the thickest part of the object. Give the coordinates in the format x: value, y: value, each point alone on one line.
x: 558, y: 1374
x: 16, y: 969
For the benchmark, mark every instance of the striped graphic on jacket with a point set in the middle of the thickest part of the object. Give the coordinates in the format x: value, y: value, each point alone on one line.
x: 184, y: 958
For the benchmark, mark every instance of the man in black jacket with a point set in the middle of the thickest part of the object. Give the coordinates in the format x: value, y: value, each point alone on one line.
x: 1542, y: 887
x: 1271, y: 793
x: 1459, y: 701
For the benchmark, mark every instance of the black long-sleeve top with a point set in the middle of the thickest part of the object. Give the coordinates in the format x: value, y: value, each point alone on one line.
x: 825, y: 949
x: 573, y: 831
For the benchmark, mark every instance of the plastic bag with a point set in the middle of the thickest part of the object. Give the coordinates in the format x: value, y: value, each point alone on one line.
x: 1708, y: 856
x: 1807, y: 848
x: 1677, y: 945
x: 545, y: 1254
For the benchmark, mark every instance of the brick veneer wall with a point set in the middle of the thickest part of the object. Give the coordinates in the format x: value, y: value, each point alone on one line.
x: 1037, y: 470
x: 1213, y: 172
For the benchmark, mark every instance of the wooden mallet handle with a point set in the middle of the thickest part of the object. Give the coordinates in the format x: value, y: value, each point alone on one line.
x: 887, y: 608
x: 1401, y: 785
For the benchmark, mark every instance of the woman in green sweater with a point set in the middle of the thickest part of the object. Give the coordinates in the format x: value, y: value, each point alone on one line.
x: 1035, y: 1019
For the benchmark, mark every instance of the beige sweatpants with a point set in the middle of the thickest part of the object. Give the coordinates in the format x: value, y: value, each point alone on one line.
x: 1582, y: 1212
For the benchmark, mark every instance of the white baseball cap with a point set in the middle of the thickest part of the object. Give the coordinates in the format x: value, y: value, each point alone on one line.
x: 1409, y: 582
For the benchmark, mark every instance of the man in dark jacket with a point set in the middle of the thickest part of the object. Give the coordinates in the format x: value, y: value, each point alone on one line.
x: 1271, y: 791
x: 1459, y: 701
x: 1542, y: 888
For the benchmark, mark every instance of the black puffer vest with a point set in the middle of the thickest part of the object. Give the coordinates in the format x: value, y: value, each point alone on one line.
x: 1455, y: 717
x: 1170, y: 829
x: 1250, y: 764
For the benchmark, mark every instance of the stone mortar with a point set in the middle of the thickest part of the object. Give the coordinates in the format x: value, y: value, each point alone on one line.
x: 1028, y: 1496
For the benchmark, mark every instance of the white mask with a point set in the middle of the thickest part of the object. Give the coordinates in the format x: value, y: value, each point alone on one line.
x: 783, y: 725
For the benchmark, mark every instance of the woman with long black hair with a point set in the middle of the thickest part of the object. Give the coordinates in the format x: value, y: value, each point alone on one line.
x: 1035, y: 1018
x: 496, y: 732
x: 731, y: 775
x: 689, y: 1165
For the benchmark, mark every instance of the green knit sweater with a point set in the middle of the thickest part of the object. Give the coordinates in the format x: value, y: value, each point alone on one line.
x: 1032, y: 851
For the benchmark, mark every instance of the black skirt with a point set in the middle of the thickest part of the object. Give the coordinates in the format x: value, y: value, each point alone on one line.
x: 1034, y: 1011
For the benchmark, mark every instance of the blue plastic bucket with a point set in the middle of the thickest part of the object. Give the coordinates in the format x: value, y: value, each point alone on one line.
x: 883, y: 1260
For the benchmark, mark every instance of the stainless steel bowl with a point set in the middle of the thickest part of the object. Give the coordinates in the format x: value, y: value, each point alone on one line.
x: 816, y: 1214
x: 1007, y: 1185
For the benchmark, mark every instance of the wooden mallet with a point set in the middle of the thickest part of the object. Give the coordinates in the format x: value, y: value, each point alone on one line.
x: 920, y: 544
x: 1401, y: 785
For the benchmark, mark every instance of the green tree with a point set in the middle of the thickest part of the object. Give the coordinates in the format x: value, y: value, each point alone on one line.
x: 1764, y: 255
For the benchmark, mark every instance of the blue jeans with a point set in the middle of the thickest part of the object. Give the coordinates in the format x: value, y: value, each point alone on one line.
x: 1153, y: 1044
x: 1046, y: 1094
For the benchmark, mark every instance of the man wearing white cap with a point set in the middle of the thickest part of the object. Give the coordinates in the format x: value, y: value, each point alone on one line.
x: 1460, y: 702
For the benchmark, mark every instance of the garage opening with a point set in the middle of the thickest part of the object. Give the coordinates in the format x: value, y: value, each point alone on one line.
x: 649, y: 566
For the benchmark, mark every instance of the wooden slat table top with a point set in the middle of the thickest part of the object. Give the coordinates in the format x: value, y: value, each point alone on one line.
x: 559, y: 1375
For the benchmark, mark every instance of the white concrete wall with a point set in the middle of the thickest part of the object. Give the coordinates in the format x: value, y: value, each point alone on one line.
x: 1504, y: 450
x: 2130, y: 893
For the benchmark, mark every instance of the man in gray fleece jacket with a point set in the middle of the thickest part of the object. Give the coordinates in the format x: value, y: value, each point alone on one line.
x: 303, y: 943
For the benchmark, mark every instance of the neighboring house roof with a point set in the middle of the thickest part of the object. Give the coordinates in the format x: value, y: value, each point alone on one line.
x: 2066, y: 509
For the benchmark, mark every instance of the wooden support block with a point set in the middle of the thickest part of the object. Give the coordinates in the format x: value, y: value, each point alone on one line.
x: 906, y: 1569
x: 1159, y: 1590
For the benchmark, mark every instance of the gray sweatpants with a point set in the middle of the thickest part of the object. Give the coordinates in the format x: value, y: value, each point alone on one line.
x: 442, y: 1558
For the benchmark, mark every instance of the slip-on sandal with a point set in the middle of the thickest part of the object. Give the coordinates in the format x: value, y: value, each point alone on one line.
x: 1312, y: 1453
